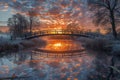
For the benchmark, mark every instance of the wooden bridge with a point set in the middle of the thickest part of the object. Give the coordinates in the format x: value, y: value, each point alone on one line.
x: 57, y: 54
x: 55, y: 32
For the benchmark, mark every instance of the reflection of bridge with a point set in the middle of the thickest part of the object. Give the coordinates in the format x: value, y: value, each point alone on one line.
x: 55, y: 32
x: 58, y: 54
x: 66, y: 51
x: 15, y: 78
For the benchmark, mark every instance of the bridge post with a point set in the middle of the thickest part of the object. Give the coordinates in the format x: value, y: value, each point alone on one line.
x: 40, y: 54
x: 35, y: 34
x: 62, y: 31
x: 41, y: 32
x: 47, y: 55
x: 71, y: 54
x: 31, y: 56
x: 25, y: 36
x: 56, y: 32
x: 47, y: 32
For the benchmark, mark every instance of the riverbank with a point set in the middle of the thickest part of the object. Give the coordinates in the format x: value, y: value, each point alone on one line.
x: 98, y: 44
x: 7, y: 45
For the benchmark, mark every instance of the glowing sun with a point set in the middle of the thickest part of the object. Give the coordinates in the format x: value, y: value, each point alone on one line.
x: 57, y: 45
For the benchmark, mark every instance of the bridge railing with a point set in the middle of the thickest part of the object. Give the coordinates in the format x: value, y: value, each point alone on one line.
x: 54, y: 32
x: 45, y: 32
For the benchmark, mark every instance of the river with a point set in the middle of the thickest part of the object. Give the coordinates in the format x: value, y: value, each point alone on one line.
x: 36, y: 64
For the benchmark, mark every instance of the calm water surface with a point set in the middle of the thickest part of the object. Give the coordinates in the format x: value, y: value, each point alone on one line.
x: 37, y: 67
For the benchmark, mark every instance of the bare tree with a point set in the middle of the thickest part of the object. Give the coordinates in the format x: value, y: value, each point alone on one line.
x: 33, y: 19
x: 18, y: 25
x: 106, y: 13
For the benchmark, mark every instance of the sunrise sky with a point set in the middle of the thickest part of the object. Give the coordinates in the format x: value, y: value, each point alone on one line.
x: 48, y: 10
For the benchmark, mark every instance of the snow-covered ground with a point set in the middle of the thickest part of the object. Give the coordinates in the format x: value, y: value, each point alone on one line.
x: 5, y: 36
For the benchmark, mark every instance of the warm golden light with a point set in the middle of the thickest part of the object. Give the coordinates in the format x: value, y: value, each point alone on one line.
x: 57, y: 45
x: 62, y: 45
x: 4, y: 29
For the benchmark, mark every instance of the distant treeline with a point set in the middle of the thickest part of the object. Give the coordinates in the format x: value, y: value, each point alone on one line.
x: 22, y: 24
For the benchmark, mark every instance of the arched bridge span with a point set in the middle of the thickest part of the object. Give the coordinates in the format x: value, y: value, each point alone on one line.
x: 55, y: 32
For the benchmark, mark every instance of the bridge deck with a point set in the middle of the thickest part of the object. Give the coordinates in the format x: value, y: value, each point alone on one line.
x: 55, y: 32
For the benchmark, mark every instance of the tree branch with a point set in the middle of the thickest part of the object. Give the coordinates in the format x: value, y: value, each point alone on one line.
x: 115, y: 4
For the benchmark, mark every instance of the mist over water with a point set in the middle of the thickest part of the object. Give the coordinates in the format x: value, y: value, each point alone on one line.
x: 31, y: 64
x: 27, y: 63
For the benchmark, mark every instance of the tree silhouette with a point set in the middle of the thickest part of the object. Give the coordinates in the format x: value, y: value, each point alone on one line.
x: 18, y: 25
x: 33, y: 19
x: 106, y: 13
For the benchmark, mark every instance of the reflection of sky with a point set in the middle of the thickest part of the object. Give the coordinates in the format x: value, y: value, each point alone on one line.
x: 52, y: 69
x: 42, y: 68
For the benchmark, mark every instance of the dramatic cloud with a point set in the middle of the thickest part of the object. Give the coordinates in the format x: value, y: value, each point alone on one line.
x: 67, y: 10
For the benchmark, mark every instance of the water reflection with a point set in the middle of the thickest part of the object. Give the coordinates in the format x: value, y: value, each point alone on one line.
x: 27, y: 63
x: 62, y: 45
x: 57, y: 48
